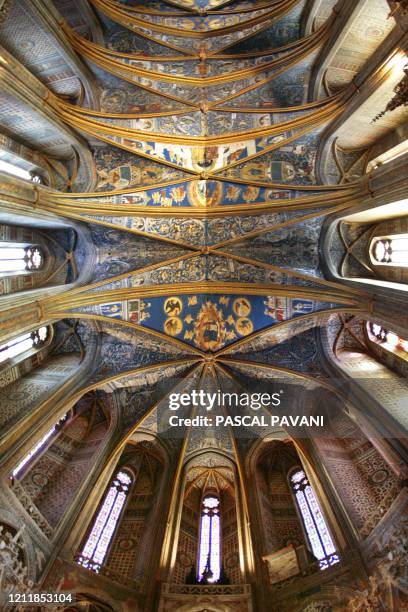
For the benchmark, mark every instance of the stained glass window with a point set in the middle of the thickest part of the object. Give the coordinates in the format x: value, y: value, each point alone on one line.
x: 388, y: 339
x: 94, y: 551
x: 317, y: 532
x: 390, y: 250
x: 209, y: 557
x: 41, y: 444
x: 23, y: 343
x: 20, y: 258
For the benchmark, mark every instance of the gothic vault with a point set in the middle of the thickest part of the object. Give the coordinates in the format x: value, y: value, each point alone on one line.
x: 203, y: 197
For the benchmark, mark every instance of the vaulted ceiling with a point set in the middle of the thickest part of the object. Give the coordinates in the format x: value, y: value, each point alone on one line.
x: 207, y: 212
x: 207, y: 208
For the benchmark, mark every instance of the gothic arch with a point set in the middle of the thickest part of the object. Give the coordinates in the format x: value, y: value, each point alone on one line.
x: 205, y: 165
x: 208, y: 472
x: 28, y: 399
x: 274, y: 506
x: 127, y: 556
x: 54, y: 477
x: 352, y: 235
x: 360, y: 365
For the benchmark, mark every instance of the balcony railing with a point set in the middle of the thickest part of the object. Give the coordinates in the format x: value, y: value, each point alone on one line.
x: 206, y: 589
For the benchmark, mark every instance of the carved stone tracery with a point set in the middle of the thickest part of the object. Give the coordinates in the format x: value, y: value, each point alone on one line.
x: 13, y: 564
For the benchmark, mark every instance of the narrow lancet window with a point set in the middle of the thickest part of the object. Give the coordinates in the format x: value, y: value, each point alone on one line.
x: 388, y: 339
x: 209, y: 558
x: 96, y: 546
x: 38, y: 448
x: 315, y: 526
x: 390, y: 250
x: 19, y: 345
x: 18, y: 171
x: 20, y: 258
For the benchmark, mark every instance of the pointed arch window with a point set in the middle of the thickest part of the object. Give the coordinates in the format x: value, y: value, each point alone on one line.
x: 20, y: 258
x: 390, y: 250
x: 15, y: 170
x: 388, y: 339
x: 96, y: 546
x: 23, y: 343
x: 41, y: 445
x: 315, y: 526
x: 209, y: 556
